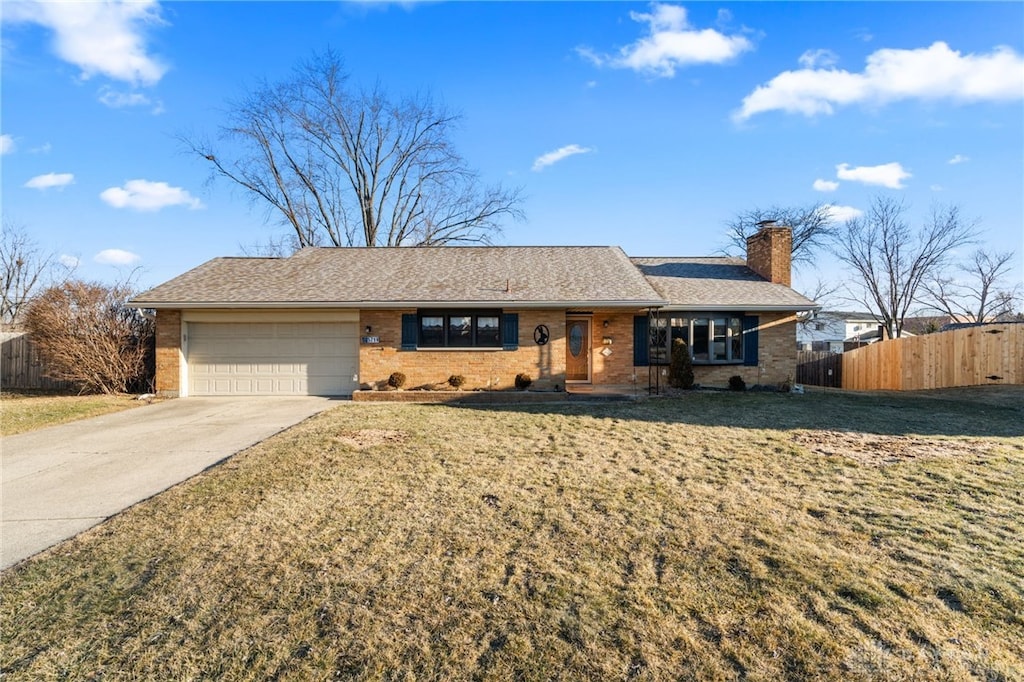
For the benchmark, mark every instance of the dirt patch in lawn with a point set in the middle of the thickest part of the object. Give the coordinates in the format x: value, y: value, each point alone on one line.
x: 882, y: 450
x: 367, y: 438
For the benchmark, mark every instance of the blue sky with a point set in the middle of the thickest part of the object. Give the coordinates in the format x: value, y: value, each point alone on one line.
x: 643, y: 125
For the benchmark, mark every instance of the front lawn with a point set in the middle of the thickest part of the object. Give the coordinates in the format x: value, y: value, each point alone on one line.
x: 22, y: 411
x: 711, y: 536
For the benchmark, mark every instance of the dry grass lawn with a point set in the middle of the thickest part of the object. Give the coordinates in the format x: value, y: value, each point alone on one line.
x: 22, y: 411
x: 714, y: 536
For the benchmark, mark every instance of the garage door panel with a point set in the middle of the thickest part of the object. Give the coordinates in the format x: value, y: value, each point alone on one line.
x: 272, y: 358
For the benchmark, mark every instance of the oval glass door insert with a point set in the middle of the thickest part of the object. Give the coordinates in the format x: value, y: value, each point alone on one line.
x: 576, y: 340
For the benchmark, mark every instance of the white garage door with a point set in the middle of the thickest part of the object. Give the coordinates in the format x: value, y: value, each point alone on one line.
x: 272, y: 358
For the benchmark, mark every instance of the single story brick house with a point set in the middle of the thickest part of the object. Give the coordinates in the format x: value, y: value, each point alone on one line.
x: 331, y: 321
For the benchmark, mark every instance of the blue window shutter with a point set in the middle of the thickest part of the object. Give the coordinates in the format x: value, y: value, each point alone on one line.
x: 641, y: 341
x: 410, y: 328
x: 510, y: 331
x: 750, y: 340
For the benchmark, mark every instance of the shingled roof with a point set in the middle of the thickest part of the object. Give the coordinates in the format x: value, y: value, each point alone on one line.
x: 538, y: 276
x: 717, y: 284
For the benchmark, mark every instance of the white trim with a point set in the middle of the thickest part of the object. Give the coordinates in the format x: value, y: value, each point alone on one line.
x: 183, y: 359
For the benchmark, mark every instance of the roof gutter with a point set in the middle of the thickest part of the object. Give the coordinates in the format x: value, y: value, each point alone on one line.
x: 739, y: 308
x: 389, y: 305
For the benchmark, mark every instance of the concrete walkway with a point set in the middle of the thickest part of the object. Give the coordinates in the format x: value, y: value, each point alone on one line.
x: 59, y: 481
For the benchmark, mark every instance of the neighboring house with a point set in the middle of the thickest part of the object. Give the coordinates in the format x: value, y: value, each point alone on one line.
x: 836, y: 330
x: 329, y: 321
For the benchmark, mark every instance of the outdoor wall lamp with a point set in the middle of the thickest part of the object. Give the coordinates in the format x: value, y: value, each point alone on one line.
x: 369, y: 329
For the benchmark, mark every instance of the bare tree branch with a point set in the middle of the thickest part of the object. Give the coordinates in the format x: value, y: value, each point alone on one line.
x: 813, y: 227
x: 24, y: 269
x: 891, y: 260
x: 976, y: 296
x: 345, y: 167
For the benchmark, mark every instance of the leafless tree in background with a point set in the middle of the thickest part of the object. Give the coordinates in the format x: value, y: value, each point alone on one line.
x: 347, y: 167
x: 891, y: 260
x: 976, y: 296
x: 813, y: 227
x: 24, y: 269
x: 85, y: 333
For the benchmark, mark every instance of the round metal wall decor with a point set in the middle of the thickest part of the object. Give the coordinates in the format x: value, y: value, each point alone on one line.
x: 541, y: 335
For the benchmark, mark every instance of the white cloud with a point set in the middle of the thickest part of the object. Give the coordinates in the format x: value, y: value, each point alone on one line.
x: 116, y: 257
x: 44, y: 148
x: 670, y: 43
x: 889, y: 175
x: 6, y: 144
x: 143, y: 195
x: 117, y: 100
x: 841, y: 214
x: 958, y: 158
x: 106, y: 38
x: 933, y: 73
x: 825, y: 185
x: 67, y: 261
x: 551, y: 158
x: 812, y: 59
x: 49, y: 180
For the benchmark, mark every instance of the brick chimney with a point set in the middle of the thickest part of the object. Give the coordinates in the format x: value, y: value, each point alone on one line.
x: 769, y: 252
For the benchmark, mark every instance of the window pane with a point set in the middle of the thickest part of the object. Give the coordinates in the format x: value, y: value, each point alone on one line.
x: 431, y: 331
x: 460, y: 330
x: 576, y: 340
x: 681, y: 329
x: 719, y: 329
x: 700, y: 339
x: 487, y: 331
x: 736, y: 338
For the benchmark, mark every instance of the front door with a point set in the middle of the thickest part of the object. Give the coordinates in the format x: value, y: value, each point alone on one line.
x: 577, y: 349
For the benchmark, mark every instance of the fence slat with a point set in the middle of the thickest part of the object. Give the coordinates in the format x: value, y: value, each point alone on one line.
x: 20, y: 366
x: 973, y: 356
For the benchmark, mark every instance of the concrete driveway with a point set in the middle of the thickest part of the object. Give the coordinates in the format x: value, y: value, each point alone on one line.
x: 59, y: 481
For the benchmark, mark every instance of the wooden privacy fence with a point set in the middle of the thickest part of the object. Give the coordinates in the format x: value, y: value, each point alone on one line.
x: 973, y: 356
x: 20, y: 366
x: 819, y: 368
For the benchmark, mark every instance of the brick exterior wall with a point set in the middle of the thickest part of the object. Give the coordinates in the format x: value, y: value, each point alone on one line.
x: 168, y: 353
x: 776, y: 356
x: 496, y: 369
x: 769, y: 253
x: 488, y: 369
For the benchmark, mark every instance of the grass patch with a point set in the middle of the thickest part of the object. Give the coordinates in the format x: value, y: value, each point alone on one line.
x: 702, y: 537
x: 28, y: 411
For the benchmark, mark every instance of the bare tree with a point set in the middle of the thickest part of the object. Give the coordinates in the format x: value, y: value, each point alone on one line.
x: 347, y: 167
x: 891, y: 260
x: 24, y: 268
x: 813, y: 227
x: 85, y: 333
x: 976, y: 296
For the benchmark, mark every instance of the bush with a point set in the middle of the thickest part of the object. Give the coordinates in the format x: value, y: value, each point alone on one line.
x: 87, y: 334
x: 680, y: 369
x: 456, y: 380
x: 396, y: 380
x: 523, y: 381
x: 736, y: 383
